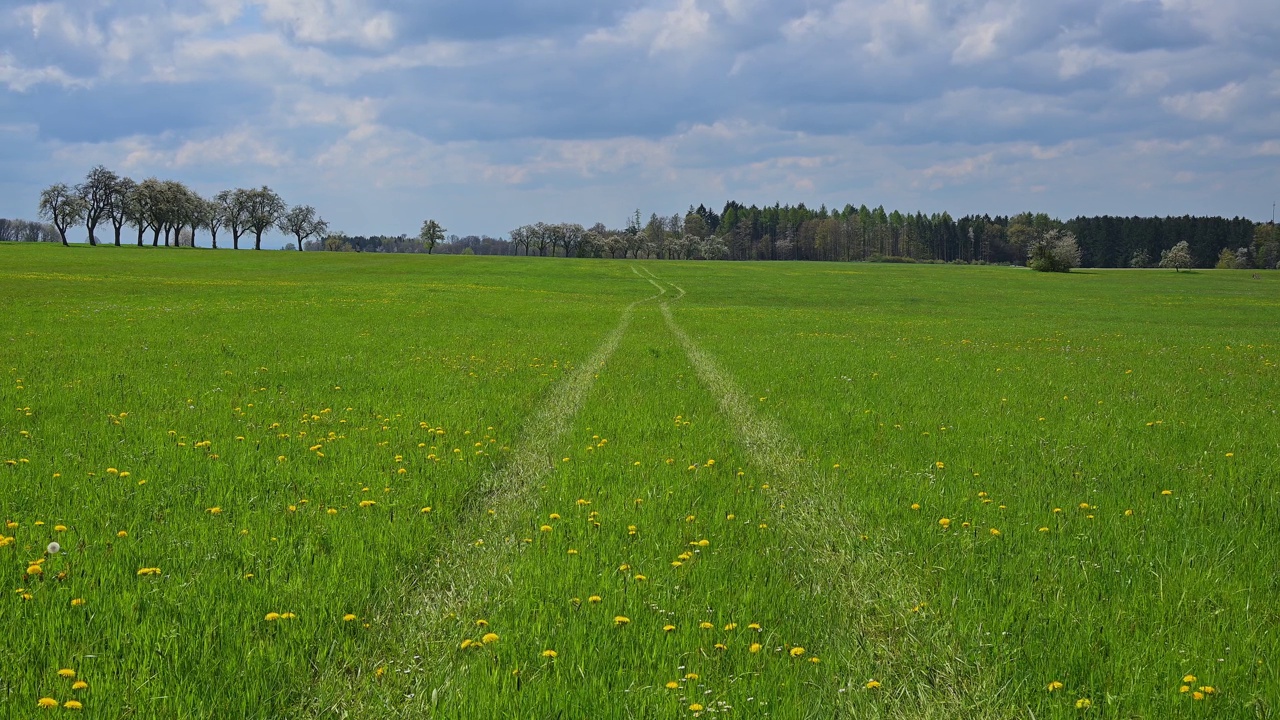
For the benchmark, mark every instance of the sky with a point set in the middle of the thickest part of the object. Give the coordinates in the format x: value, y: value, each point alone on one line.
x: 489, y: 115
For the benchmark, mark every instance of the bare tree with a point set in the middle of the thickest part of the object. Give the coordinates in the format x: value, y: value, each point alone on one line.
x: 571, y: 238
x: 62, y: 206
x: 520, y: 239
x: 302, y: 222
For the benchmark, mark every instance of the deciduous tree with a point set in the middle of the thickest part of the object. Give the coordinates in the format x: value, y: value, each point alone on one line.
x: 302, y: 222
x: 97, y: 191
x: 62, y: 206
x: 1176, y: 257
x: 430, y: 234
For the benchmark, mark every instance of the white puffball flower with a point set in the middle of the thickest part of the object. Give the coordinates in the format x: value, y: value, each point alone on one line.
x: 53, y: 549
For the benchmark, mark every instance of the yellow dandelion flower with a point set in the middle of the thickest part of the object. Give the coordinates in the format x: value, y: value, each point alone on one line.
x: 814, y: 660
x: 593, y: 599
x: 691, y: 676
x: 1197, y: 695
x: 945, y: 523
x: 940, y: 465
x: 721, y: 646
x: 482, y: 623
x: 705, y: 625
x: 731, y: 627
x: 122, y: 534
x: 66, y: 673
x: 47, y: 703
x: 673, y: 685
x: 676, y: 563
x: 995, y: 531
x: 704, y: 543
x: 729, y: 517
x: 797, y: 651
x: 1184, y: 688
x: 641, y: 578
x: 754, y: 626
x: 872, y: 684
x: 77, y: 602
x: 367, y: 503
x: 272, y: 616
x: 73, y: 705
x: 466, y: 644
x: 1083, y: 506
x: 1084, y: 704
x: 332, y: 511
x: 549, y: 654
x: 1189, y: 679
x: 554, y: 516
x: 1055, y: 686
x: 1166, y: 492
x: 1043, y: 529
x: 35, y: 570
x: 545, y: 528
x: 79, y: 685
x: 755, y: 648
x: 695, y: 707
x: 1208, y: 690
x: 59, y: 528
x: 380, y: 671
x: 489, y: 638
x: 915, y: 506
x: 668, y: 628
x: 621, y: 620
x: 426, y: 509
x: 1128, y: 513
x: 348, y: 617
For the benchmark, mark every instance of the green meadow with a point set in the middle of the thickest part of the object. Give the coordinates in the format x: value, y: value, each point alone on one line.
x: 356, y: 485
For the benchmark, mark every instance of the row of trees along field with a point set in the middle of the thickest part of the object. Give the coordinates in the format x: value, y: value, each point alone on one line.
x: 864, y: 234
x: 738, y: 232
x: 168, y: 207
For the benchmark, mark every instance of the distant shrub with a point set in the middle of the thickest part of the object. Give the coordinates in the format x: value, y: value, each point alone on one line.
x: 1055, y: 251
x: 1176, y: 257
x: 877, y: 257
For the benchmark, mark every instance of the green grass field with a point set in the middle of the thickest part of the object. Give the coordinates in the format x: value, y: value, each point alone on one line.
x: 337, y: 485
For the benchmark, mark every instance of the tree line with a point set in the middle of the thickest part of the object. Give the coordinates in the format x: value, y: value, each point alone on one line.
x: 170, y: 209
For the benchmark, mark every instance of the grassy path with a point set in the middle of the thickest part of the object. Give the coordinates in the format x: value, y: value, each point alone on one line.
x: 696, y: 574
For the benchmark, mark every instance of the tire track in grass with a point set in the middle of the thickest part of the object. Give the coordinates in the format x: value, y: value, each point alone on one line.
x: 531, y: 458
x: 864, y: 590
x: 470, y: 570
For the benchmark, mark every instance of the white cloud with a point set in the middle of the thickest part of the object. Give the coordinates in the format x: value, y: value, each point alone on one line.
x: 325, y: 21
x: 682, y: 27
x: 1209, y: 105
x: 21, y: 79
